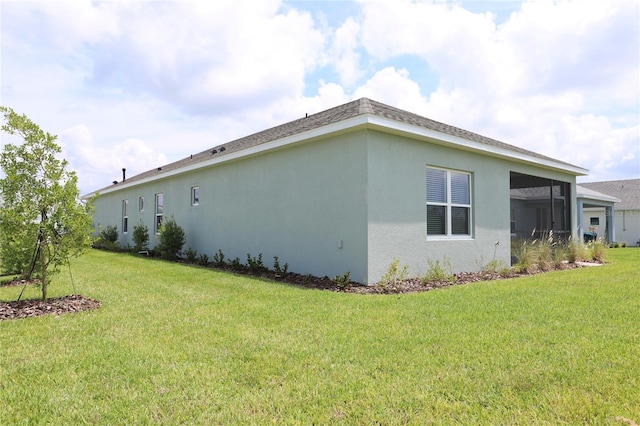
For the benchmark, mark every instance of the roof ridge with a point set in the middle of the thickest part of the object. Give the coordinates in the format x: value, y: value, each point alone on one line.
x: 365, y: 106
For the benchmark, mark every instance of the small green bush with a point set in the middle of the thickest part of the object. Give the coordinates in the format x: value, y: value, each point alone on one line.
x: 342, y: 282
x: 278, y: 269
x: 171, y: 239
x: 576, y: 251
x: 495, y: 267
x: 255, y: 264
x: 439, y: 272
x: 109, y: 234
x: 107, y: 238
x: 395, y: 274
x: 218, y: 259
x: 597, y: 250
x: 140, y: 237
x: 192, y: 255
x: 203, y: 260
x: 236, y: 265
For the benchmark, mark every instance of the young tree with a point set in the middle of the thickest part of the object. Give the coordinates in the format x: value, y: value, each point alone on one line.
x: 43, y: 223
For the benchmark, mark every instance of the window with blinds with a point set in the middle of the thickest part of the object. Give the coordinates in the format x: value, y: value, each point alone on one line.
x: 448, y: 203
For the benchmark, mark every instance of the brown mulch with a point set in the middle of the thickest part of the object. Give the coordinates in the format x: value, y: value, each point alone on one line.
x: 53, y: 306
x: 410, y: 285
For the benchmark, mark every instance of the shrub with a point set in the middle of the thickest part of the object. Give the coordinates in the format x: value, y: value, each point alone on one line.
x: 558, y: 256
x: 236, y: 265
x: 171, y: 239
x: 395, y: 274
x: 597, y: 250
x: 342, y: 282
x: 255, y: 264
x: 438, y: 272
x: 109, y: 234
x: 140, y: 237
x: 218, y: 259
x: 192, y: 255
x: 495, y: 267
x: 277, y: 268
x: 203, y: 260
x: 544, y: 253
x: 623, y: 244
x: 576, y: 251
x: 107, y: 238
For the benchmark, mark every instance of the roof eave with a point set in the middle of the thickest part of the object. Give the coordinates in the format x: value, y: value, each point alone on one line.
x: 441, y: 138
x: 351, y: 124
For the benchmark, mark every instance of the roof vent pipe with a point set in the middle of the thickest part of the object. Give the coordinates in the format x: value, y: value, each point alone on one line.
x: 124, y: 174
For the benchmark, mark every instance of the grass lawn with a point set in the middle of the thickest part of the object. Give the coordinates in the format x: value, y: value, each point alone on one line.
x: 178, y: 344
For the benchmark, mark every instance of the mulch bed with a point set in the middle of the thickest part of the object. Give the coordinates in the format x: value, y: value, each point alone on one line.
x: 36, y: 307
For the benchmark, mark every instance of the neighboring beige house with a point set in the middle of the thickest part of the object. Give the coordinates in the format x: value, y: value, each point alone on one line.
x: 350, y: 189
x: 626, y: 213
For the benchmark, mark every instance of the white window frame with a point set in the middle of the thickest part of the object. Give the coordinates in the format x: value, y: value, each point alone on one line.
x: 141, y: 203
x: 159, y: 212
x: 195, y: 196
x: 125, y: 216
x: 448, y: 205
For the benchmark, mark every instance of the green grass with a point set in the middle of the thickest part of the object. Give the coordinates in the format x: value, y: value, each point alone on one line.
x: 175, y: 344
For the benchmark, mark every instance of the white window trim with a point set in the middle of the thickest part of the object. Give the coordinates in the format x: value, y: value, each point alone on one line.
x: 194, y: 202
x: 156, y: 214
x: 125, y: 216
x: 449, y: 236
x: 141, y: 203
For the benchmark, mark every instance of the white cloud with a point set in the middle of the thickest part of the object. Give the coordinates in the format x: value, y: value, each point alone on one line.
x: 210, y: 57
x: 346, y: 55
x: 535, y: 80
x: 162, y: 80
x: 393, y: 87
x: 97, y: 165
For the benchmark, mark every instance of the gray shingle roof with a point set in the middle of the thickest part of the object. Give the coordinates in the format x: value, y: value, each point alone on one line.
x: 628, y: 191
x: 343, y: 112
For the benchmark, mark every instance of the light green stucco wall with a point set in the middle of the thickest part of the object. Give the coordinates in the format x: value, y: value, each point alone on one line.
x: 397, y: 205
x: 351, y: 202
x: 305, y: 204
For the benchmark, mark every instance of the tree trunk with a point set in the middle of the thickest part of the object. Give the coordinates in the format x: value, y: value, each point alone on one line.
x: 43, y: 278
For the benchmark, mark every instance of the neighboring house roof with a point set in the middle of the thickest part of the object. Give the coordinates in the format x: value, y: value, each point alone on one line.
x: 361, y: 113
x: 627, y: 191
x: 590, y: 194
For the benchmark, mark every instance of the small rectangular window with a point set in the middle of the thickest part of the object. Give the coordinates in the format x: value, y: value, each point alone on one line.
x: 159, y: 212
x: 195, y: 195
x: 125, y: 216
x: 448, y: 203
x: 141, y: 204
x: 595, y: 221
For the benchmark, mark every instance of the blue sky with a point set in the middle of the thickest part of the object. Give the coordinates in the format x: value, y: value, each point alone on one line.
x: 138, y: 84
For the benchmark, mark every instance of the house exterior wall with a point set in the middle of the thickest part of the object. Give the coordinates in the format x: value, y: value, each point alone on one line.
x: 350, y: 202
x: 598, y: 213
x: 397, y: 205
x: 627, y: 226
x: 305, y: 204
